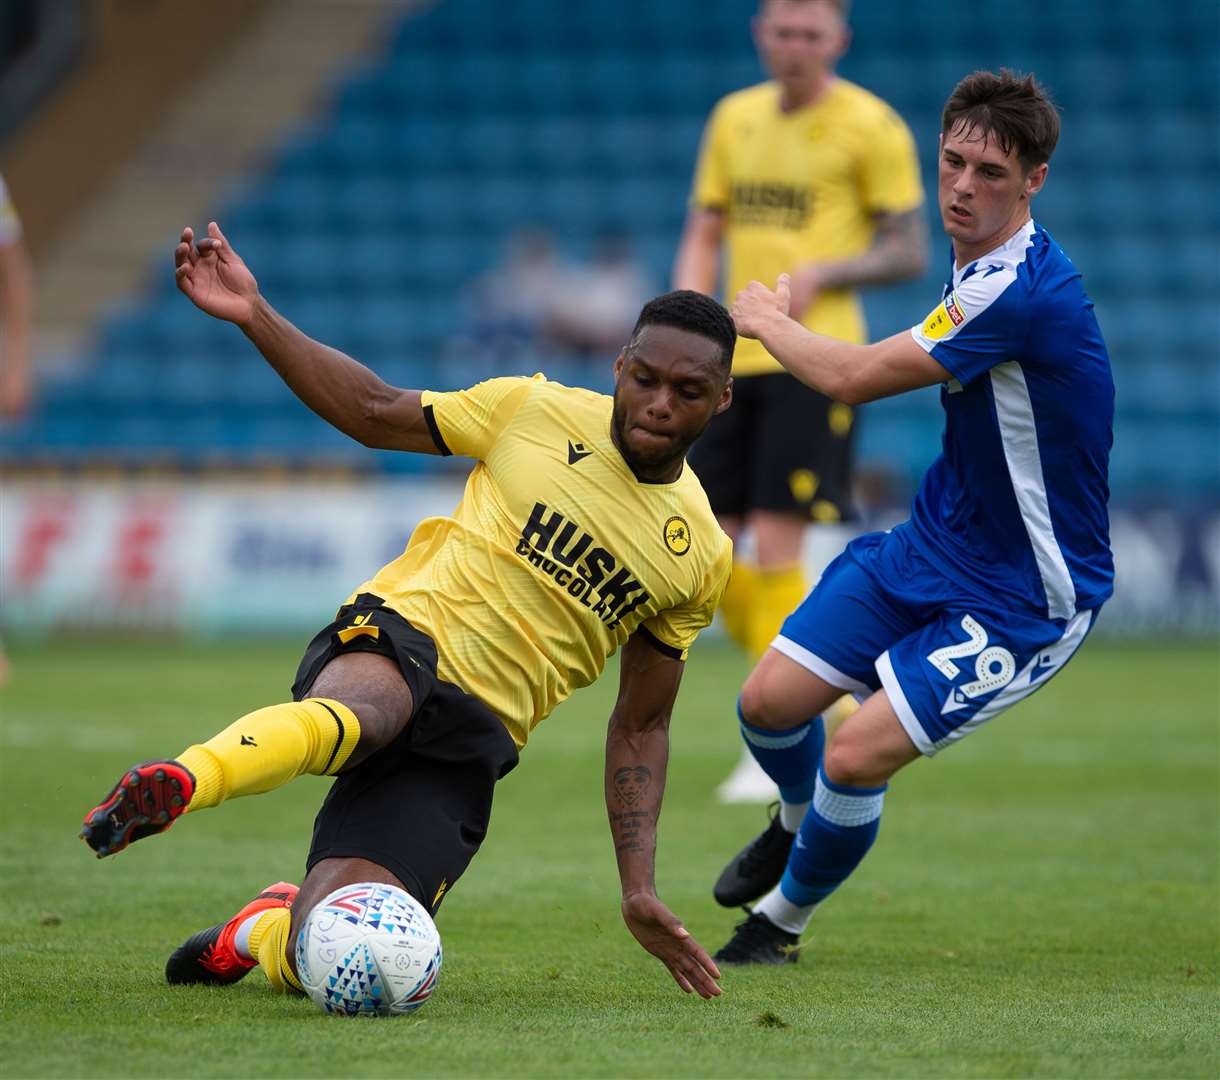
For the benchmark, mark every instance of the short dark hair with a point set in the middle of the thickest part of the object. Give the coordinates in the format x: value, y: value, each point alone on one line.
x: 1013, y: 108
x: 685, y: 309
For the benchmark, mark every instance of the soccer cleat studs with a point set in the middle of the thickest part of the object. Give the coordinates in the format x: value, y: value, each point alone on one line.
x: 146, y: 801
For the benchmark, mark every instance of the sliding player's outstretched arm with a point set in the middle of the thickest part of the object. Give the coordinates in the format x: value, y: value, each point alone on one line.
x: 339, y: 389
x: 637, y: 752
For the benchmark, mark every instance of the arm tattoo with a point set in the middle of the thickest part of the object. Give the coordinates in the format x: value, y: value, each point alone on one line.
x: 898, y: 251
x: 627, y: 827
x: 631, y: 784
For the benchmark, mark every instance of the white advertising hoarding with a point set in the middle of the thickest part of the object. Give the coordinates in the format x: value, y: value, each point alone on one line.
x: 265, y: 558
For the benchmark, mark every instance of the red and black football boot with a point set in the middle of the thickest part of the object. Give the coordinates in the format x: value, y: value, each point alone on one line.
x: 210, y: 957
x: 144, y: 802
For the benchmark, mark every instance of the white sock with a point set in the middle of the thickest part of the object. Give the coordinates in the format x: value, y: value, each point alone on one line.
x: 791, y: 814
x: 783, y: 913
x: 241, y: 940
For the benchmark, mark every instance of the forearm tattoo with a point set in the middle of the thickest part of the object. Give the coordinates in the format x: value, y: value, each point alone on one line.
x: 631, y: 785
x: 898, y: 251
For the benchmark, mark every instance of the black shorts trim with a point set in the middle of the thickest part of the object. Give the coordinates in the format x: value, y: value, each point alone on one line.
x: 437, y: 437
x: 376, y: 629
x: 662, y: 647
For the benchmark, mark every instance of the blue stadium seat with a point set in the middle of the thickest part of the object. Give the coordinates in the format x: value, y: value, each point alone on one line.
x: 475, y: 120
x: 561, y: 144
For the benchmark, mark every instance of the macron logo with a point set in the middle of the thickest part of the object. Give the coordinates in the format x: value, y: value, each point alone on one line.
x: 576, y: 451
x: 1044, y: 666
x: 956, y: 700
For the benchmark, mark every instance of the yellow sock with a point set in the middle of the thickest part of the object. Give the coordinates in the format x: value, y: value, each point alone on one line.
x: 777, y: 593
x: 269, y: 946
x: 838, y: 712
x: 267, y: 748
x: 736, y: 602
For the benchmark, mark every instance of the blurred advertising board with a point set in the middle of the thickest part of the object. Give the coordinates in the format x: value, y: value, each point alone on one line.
x: 258, y: 558
x: 271, y: 558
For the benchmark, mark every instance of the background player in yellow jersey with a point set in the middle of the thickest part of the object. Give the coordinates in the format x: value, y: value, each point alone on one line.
x: 581, y: 531
x: 810, y: 175
x: 813, y: 176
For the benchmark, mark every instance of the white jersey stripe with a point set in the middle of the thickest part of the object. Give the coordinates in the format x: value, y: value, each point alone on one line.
x: 1015, y: 414
x: 811, y: 662
x: 901, y: 706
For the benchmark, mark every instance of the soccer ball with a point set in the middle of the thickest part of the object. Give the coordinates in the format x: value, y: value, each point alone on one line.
x: 369, y: 950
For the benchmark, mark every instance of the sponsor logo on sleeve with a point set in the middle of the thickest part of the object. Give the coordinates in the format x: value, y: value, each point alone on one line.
x: 937, y: 324
x: 944, y: 318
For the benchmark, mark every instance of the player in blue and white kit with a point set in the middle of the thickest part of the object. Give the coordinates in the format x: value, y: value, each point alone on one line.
x: 989, y: 589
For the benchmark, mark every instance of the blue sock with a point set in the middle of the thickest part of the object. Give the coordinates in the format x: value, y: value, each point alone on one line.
x: 789, y: 757
x: 836, y: 834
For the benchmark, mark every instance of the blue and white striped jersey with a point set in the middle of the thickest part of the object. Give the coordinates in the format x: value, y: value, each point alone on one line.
x: 1016, y: 503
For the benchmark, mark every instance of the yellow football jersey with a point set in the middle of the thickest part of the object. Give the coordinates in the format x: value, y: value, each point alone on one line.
x: 556, y: 553
x: 803, y: 186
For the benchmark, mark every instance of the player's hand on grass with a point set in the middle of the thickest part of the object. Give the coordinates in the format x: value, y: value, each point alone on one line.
x: 661, y: 932
x: 757, y: 306
x: 214, y: 277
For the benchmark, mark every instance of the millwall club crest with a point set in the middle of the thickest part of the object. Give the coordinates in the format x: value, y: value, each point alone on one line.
x: 677, y: 535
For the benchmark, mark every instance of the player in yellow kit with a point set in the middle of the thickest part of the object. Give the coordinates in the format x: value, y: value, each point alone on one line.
x: 810, y: 175
x: 581, y: 531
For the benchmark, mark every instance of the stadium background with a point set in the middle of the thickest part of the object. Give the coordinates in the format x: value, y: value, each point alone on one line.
x: 374, y: 162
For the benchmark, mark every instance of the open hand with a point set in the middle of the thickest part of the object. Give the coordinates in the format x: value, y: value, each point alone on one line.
x: 756, y: 306
x: 214, y: 277
x: 661, y: 932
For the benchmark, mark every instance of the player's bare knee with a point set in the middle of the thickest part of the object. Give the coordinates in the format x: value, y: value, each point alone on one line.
x: 850, y: 761
x: 762, y: 706
x: 324, y: 878
x: 373, y: 688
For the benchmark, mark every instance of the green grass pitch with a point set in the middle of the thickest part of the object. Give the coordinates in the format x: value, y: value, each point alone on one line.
x: 1042, y: 900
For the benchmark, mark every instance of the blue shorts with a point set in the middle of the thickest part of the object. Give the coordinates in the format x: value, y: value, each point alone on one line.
x: 949, y: 657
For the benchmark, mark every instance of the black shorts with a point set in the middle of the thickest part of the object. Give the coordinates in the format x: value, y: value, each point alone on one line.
x: 420, y: 806
x: 781, y: 446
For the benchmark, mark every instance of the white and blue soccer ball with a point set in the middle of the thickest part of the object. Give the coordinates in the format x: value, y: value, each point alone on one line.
x: 369, y: 950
